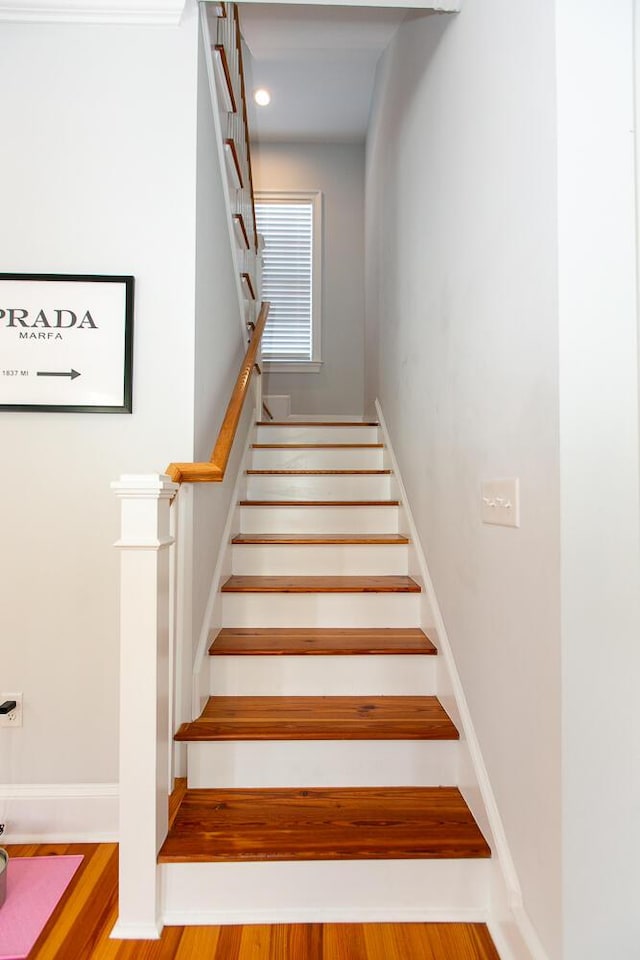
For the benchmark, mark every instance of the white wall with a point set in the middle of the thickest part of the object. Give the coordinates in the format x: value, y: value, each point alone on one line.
x: 219, y: 347
x: 98, y: 172
x: 599, y: 479
x: 337, y: 169
x: 462, y: 313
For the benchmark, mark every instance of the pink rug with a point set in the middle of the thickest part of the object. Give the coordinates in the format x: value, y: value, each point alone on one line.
x: 34, y: 887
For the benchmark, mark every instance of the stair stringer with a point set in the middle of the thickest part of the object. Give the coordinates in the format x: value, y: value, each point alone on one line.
x: 511, y: 929
x: 212, y: 619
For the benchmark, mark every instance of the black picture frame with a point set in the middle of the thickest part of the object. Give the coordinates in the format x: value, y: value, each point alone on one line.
x: 118, y: 330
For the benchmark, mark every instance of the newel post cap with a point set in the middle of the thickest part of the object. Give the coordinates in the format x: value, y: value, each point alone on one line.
x: 149, y: 486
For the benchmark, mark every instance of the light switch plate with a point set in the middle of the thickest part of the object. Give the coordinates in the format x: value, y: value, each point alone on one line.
x: 500, y: 502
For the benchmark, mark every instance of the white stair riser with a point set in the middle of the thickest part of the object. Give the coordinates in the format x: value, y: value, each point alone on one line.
x: 331, y: 487
x: 332, y: 458
x: 291, y: 434
x: 321, y: 610
x: 324, y: 560
x: 371, y: 675
x: 322, y: 763
x: 325, y: 891
x: 319, y: 519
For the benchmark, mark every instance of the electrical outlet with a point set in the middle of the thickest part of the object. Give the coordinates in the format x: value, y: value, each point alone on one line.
x: 13, y: 719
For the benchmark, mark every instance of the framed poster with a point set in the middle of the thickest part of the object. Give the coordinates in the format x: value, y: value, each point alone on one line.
x: 66, y: 343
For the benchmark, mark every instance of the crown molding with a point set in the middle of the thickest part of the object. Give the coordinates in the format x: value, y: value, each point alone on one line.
x: 162, y: 12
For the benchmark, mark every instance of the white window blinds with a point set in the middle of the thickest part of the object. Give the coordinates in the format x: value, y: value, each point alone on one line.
x: 287, y: 278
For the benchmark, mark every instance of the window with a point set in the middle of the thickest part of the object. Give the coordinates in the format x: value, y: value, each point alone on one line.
x: 290, y: 224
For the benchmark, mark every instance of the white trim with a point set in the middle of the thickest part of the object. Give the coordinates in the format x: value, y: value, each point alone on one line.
x: 150, y: 544
x: 517, y: 940
x: 317, y: 247
x: 200, y: 680
x: 136, y: 931
x: 133, y: 12
x: 508, y: 875
x: 60, y: 812
x: 299, y: 366
x: 325, y: 891
x: 243, y: 916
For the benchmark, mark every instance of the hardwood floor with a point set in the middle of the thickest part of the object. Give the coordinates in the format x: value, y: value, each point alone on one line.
x: 302, y: 641
x: 320, y: 823
x: 80, y: 926
x: 320, y: 718
x: 385, y: 584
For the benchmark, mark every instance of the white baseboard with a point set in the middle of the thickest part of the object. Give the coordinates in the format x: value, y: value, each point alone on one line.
x: 136, y: 931
x: 516, y: 939
x: 247, y: 916
x: 60, y: 812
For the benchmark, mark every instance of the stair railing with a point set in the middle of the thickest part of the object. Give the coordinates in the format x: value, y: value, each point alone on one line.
x: 156, y: 629
x: 149, y: 656
x: 213, y: 470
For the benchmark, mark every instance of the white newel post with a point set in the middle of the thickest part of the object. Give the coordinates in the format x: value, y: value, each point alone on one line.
x: 144, y: 697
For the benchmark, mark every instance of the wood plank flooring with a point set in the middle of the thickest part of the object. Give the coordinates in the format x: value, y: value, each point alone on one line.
x: 317, y: 473
x: 317, y: 539
x: 320, y: 718
x: 320, y: 823
x: 79, y: 929
x: 318, y: 423
x: 317, y: 446
x: 313, y: 641
x: 386, y: 584
x: 319, y: 503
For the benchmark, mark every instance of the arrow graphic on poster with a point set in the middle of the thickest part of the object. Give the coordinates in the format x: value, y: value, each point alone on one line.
x: 72, y: 374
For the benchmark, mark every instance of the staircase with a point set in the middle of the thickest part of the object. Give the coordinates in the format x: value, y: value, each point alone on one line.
x: 322, y: 771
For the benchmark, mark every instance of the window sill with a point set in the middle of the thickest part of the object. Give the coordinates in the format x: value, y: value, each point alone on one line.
x: 298, y: 366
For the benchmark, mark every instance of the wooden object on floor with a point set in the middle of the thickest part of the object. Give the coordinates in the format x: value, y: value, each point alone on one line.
x: 79, y: 928
x: 319, y: 823
x: 315, y: 641
x: 320, y: 423
x: 317, y: 446
x: 319, y: 503
x: 317, y: 473
x: 320, y: 718
x: 386, y: 584
x: 321, y: 538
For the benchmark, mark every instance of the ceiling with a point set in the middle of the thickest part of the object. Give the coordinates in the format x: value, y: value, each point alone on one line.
x: 318, y: 63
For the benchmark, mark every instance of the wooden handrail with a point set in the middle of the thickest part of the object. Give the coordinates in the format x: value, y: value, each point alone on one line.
x: 213, y: 471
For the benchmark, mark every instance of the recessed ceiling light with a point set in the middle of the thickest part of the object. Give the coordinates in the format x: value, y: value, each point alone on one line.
x: 262, y: 97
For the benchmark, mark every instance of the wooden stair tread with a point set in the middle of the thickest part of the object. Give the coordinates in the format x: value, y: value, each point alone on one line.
x: 321, y: 538
x: 317, y: 446
x: 317, y: 423
x: 363, y: 823
x: 383, y: 584
x: 318, y: 473
x: 319, y: 503
x: 320, y: 718
x: 310, y: 641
